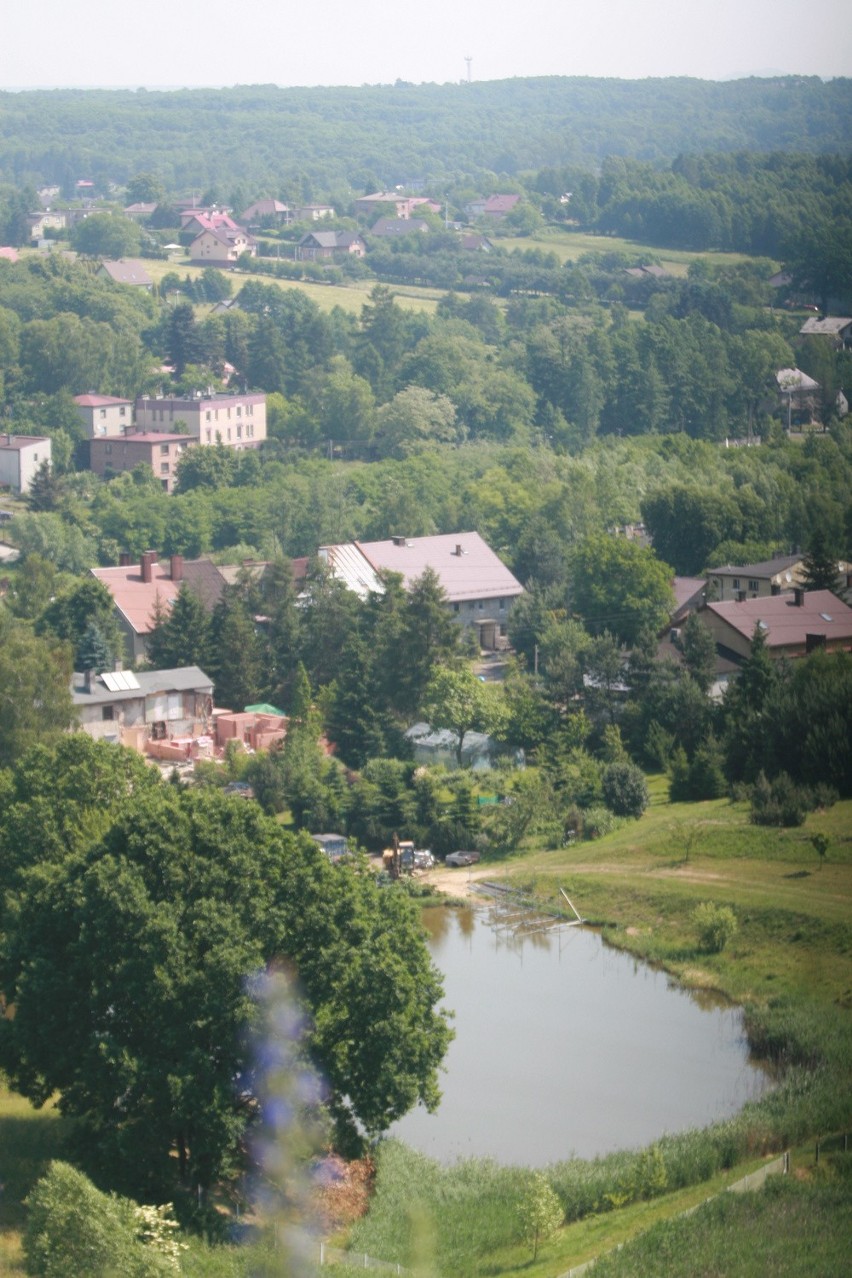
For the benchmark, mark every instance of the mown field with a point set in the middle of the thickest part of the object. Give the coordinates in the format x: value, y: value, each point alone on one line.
x: 569, y: 245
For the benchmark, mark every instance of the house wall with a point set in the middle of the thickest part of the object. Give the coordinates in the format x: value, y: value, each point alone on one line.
x: 728, y: 587
x: 238, y: 421
x: 106, y: 420
x: 20, y: 461
x: 118, y: 455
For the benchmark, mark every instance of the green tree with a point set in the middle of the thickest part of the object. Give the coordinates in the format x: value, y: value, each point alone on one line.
x: 164, y: 922
x: 620, y: 586
x: 457, y: 700
x: 144, y: 188
x: 820, y: 564
x: 180, y: 634
x: 699, y: 651
x: 35, y: 689
x: 625, y: 790
x: 416, y: 420
x: 541, y: 1212
x: 74, y: 611
x: 235, y: 661
x: 182, y: 338
x: 110, y: 235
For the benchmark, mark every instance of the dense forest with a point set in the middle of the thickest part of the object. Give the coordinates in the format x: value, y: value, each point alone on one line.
x: 306, y: 141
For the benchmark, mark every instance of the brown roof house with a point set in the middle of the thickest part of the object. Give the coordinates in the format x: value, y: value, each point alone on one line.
x: 794, y: 624
x: 221, y: 246
x: 104, y: 414
x: 113, y: 456
x: 479, y: 587
x: 138, y: 590
x: 126, y: 271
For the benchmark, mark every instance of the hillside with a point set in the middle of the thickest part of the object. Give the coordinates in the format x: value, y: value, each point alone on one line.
x: 387, y: 134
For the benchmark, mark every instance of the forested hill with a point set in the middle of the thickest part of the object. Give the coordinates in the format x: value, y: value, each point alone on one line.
x: 387, y: 134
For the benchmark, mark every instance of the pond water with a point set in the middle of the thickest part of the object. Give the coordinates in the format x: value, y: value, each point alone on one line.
x: 567, y: 1047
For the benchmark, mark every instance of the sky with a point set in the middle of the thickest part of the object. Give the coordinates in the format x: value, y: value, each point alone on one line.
x: 177, y: 43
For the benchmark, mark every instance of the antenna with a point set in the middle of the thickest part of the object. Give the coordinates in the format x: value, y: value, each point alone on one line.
x: 468, y: 60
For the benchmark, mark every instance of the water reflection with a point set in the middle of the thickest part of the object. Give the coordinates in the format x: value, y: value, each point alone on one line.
x: 565, y: 1046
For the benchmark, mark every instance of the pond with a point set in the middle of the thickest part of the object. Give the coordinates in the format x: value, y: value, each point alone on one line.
x: 565, y: 1046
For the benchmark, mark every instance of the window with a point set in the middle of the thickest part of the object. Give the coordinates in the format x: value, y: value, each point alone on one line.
x: 207, y: 417
x: 209, y: 435
x: 239, y: 411
x: 502, y: 605
x: 103, y: 412
x: 455, y: 607
x: 107, y: 448
x: 107, y: 713
x: 164, y: 450
x: 481, y: 605
x: 754, y: 585
x: 121, y: 412
x: 164, y: 468
x: 736, y: 583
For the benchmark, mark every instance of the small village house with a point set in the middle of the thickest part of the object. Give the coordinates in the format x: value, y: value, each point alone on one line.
x: 20, y: 458
x: 104, y: 414
x: 149, y: 706
x: 162, y: 452
x: 316, y: 246
x: 126, y: 271
x: 235, y: 420
x: 794, y: 624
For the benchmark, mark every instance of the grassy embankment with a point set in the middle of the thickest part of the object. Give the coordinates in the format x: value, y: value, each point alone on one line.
x: 790, y: 964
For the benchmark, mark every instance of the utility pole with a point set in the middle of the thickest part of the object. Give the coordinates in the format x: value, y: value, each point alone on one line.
x: 468, y: 60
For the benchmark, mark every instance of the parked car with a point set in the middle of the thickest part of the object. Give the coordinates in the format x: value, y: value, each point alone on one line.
x: 423, y: 859
x: 462, y: 858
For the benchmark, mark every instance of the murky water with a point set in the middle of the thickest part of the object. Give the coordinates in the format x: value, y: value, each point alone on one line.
x: 566, y: 1047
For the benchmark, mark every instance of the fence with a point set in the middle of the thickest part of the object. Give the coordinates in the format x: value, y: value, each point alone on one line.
x: 356, y: 1260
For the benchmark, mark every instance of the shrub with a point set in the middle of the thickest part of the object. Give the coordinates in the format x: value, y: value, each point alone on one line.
x: 597, y: 822
x: 779, y: 802
x: 540, y: 1212
x: 716, y: 925
x: 625, y: 790
x: 74, y: 1229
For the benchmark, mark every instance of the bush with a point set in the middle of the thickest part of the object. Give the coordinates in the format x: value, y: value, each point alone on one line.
x: 779, y: 802
x: 598, y: 821
x: 625, y: 790
x: 73, y: 1230
x: 716, y: 925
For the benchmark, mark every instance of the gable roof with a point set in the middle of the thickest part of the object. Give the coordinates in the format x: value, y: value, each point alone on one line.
x: 499, y: 204
x: 765, y: 568
x: 831, y: 326
x: 475, y: 573
x: 126, y: 271
x: 136, y: 599
x: 389, y: 227
x: 793, y: 379
x: 331, y: 239
x: 786, y: 622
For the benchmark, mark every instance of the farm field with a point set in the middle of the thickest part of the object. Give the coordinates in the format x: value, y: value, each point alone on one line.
x: 570, y: 245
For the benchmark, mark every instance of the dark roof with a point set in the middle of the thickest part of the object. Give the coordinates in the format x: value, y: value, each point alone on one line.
x: 390, y: 227
x: 766, y: 568
x: 149, y: 683
x: 126, y: 271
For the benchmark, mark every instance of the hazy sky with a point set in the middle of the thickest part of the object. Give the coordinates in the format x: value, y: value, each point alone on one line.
x: 224, y: 42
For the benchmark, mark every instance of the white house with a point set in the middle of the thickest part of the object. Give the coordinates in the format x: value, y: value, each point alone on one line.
x: 20, y: 458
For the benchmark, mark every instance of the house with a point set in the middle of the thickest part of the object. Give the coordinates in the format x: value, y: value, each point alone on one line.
x: 479, y: 587
x: 126, y: 271
x: 140, y: 212
x: 474, y: 243
x: 495, y: 206
x: 266, y: 213
x: 104, y: 414
x: 151, y: 706
x: 794, y: 624
x: 333, y: 845
x: 237, y: 421
x: 114, y: 455
x: 798, y: 397
x: 313, y: 212
x: 20, y: 458
x: 222, y: 246
x: 646, y: 272
x: 756, y: 581
x: 836, y: 327
x: 139, y: 589
x: 39, y: 223
x: 393, y: 204
x: 392, y: 228
x: 193, y: 221
x: 320, y: 245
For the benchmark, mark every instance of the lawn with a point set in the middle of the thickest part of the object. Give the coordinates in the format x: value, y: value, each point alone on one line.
x: 29, y: 1138
x: 569, y: 245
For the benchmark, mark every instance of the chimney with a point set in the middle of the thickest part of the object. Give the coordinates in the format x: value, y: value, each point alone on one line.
x: 398, y: 541
x: 799, y: 597
x: 124, y: 559
x: 458, y: 550
x: 177, y: 567
x: 89, y: 680
x: 149, y: 558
